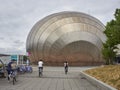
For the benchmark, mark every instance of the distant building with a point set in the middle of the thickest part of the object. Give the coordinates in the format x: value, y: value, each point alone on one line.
x: 18, y: 58
x: 21, y: 59
x: 7, y: 58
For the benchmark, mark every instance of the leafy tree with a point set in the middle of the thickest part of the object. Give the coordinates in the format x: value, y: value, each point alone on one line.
x: 25, y: 58
x: 112, y: 32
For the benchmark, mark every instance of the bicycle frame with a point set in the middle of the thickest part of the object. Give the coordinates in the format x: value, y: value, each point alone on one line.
x: 13, y: 76
x: 66, y: 70
x: 40, y: 71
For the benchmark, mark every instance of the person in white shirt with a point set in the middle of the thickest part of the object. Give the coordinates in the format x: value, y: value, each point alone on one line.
x: 40, y: 65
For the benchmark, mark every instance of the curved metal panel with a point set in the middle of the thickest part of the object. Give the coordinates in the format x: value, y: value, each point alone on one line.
x: 59, y: 32
x: 77, y: 48
x: 73, y: 37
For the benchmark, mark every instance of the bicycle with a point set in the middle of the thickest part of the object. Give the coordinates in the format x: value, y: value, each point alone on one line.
x: 12, y: 76
x: 66, y: 70
x: 66, y: 67
x: 40, y: 71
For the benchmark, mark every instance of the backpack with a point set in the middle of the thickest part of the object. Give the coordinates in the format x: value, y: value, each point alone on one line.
x: 66, y: 64
x: 13, y: 66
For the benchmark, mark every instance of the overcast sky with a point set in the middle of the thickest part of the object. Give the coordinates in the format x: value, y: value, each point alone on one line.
x: 17, y: 17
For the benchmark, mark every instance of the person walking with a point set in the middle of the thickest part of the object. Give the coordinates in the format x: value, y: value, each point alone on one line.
x: 66, y: 67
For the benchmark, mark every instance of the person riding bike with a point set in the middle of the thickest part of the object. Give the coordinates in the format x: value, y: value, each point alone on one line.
x: 40, y: 66
x: 10, y: 68
x: 66, y: 67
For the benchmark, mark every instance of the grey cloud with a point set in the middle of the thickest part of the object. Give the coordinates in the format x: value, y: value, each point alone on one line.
x: 11, y: 51
x: 17, y: 17
x: 18, y: 43
x: 1, y: 38
x: 15, y: 47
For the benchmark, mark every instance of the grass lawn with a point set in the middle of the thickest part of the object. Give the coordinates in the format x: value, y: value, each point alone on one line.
x: 109, y: 74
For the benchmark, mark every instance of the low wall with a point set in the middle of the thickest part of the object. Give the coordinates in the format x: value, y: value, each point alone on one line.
x: 97, y: 83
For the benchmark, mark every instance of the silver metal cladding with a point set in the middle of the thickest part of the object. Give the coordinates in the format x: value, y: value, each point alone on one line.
x: 72, y: 36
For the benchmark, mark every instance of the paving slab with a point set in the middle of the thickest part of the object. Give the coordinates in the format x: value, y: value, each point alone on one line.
x: 53, y: 78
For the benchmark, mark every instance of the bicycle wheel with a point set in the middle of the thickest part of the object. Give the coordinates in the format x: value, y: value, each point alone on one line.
x: 14, y: 80
x: 40, y: 72
x: 66, y: 70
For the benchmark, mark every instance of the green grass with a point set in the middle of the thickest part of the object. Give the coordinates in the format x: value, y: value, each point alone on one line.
x: 1, y: 65
x: 109, y: 74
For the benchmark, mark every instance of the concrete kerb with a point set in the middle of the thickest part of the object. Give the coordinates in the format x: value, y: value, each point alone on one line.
x: 97, y: 83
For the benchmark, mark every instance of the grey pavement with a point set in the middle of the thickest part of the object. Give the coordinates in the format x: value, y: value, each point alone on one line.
x: 53, y: 78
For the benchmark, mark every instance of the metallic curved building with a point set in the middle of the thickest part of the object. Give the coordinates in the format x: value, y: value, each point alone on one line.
x: 72, y: 36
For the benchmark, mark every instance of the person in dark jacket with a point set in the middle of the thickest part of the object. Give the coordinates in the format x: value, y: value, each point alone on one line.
x: 66, y: 67
x: 9, y: 69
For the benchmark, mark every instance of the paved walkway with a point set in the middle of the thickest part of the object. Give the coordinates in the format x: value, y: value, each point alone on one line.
x: 53, y: 78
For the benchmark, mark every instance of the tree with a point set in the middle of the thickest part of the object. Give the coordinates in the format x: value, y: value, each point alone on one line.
x: 25, y: 58
x: 112, y: 32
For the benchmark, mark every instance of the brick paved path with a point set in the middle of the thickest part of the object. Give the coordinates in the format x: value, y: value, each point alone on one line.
x: 53, y: 78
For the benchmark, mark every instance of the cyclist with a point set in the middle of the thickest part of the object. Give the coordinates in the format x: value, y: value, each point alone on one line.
x: 10, y: 68
x: 66, y: 67
x: 40, y: 66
